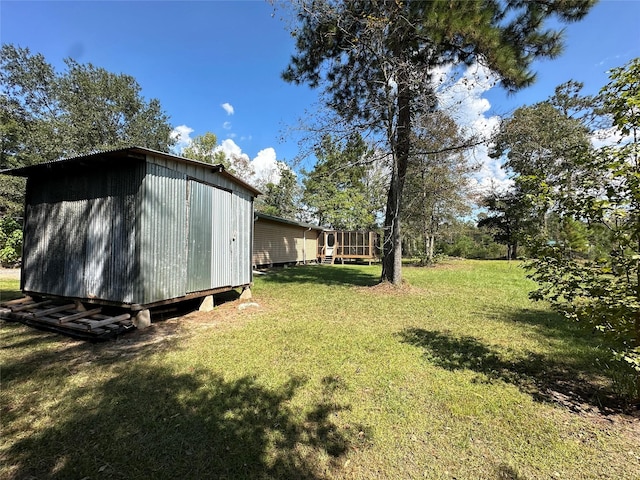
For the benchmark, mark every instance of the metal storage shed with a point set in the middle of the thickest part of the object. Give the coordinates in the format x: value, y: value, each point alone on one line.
x: 135, y: 228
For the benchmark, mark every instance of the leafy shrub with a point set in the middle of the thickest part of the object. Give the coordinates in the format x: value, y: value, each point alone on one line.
x: 10, y: 242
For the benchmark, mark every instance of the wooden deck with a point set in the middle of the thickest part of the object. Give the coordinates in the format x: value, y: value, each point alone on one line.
x: 66, y: 317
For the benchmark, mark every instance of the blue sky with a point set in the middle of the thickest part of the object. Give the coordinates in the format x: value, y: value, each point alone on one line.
x: 199, y: 57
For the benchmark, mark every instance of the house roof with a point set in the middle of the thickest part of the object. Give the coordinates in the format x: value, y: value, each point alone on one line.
x: 136, y: 153
x: 271, y: 218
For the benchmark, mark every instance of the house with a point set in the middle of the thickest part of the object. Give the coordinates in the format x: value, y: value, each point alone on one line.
x: 278, y: 241
x: 135, y: 228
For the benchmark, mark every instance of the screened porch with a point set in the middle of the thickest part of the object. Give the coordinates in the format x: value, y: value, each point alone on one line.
x: 347, y: 245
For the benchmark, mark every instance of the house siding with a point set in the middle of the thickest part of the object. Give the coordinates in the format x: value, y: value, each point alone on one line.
x: 278, y: 243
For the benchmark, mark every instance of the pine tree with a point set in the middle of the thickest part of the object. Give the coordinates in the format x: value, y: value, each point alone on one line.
x: 376, y: 58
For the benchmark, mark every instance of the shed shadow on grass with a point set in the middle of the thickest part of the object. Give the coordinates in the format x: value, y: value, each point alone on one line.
x: 546, y: 379
x: 150, y: 423
x: 147, y: 421
x: 325, y: 275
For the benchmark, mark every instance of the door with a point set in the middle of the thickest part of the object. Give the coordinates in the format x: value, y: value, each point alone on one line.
x: 222, y: 226
x: 210, y: 239
x: 199, y: 239
x: 331, y: 242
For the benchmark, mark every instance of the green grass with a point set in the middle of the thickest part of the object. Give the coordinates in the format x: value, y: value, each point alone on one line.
x: 454, y: 375
x: 9, y: 289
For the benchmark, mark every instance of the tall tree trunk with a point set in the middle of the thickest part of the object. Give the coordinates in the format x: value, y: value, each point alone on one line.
x: 426, y: 258
x: 432, y: 240
x: 392, y: 246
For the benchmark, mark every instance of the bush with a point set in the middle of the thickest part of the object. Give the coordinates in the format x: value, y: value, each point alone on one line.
x: 10, y: 242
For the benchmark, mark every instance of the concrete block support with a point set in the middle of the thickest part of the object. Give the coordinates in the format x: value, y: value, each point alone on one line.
x: 142, y: 319
x: 207, y: 304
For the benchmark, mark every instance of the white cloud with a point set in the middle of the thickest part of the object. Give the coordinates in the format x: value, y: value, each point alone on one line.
x: 226, y: 125
x: 490, y: 177
x: 230, y: 149
x: 228, y: 108
x: 607, y: 137
x: 265, y: 164
x: 461, y: 95
x: 182, y: 135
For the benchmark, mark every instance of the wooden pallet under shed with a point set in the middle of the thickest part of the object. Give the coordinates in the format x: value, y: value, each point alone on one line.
x: 65, y: 317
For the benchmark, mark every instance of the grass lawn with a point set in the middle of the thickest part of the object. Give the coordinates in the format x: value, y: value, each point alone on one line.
x: 9, y: 289
x: 454, y: 375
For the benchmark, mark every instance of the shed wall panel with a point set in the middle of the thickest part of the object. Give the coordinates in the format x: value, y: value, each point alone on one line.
x: 162, y: 238
x: 232, y: 217
x: 79, y: 233
x: 281, y: 243
x: 242, y: 238
x: 223, y: 216
x: 200, y: 241
x: 202, y: 173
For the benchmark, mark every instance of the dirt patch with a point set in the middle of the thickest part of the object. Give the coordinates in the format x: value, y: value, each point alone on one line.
x: 169, y: 326
x: 623, y: 421
x: 166, y: 330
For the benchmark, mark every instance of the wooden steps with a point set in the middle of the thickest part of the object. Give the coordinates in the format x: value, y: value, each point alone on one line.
x: 65, y: 317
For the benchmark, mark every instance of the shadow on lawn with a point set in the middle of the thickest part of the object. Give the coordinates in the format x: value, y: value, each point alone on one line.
x: 573, y: 382
x: 148, y: 422
x: 325, y: 274
x: 547, y: 323
x: 9, y: 294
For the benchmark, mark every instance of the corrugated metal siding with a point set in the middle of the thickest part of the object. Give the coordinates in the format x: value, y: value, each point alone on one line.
x: 281, y: 243
x: 79, y: 231
x: 242, y: 239
x: 162, y: 237
x: 200, y: 237
x: 232, y: 213
x: 223, y: 215
x: 119, y: 232
x: 203, y: 173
